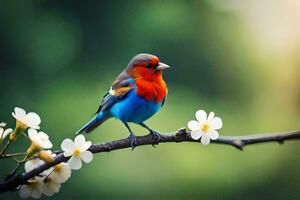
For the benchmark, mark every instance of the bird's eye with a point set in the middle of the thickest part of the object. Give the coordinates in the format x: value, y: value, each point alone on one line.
x: 148, y: 65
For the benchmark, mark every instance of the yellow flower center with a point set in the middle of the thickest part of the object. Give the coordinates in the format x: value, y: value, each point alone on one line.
x: 77, y: 152
x: 205, y: 127
x: 58, y: 168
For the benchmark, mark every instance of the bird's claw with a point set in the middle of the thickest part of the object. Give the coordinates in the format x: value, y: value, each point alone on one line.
x: 133, y: 141
x: 156, y: 137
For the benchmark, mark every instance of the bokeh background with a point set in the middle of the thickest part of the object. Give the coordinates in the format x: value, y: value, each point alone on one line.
x: 239, y: 59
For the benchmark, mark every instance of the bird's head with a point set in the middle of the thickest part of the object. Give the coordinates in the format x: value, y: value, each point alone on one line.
x: 146, y: 66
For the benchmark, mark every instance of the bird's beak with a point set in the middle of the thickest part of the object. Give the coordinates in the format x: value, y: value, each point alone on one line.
x: 162, y: 66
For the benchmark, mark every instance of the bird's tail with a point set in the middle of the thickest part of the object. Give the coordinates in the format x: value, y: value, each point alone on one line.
x: 93, y: 123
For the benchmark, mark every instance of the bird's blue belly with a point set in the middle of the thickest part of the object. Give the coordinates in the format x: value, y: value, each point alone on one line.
x: 134, y: 108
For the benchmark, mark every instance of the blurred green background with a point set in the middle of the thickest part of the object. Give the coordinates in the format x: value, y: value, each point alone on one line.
x: 239, y: 59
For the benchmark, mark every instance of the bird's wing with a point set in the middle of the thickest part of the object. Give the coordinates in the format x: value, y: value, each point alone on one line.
x: 117, y: 92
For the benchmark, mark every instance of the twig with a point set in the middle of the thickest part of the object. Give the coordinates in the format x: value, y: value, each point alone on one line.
x: 180, y: 136
x: 5, y: 148
x: 1, y: 140
x: 20, y: 163
x: 12, y: 155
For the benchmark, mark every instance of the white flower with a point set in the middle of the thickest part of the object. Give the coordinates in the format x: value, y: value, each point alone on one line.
x: 35, y: 185
x: 4, y: 133
x: 42, y: 184
x: 48, y: 182
x: 50, y: 187
x: 32, y: 189
x: 39, y: 139
x: 61, y: 173
x: 24, y: 120
x: 205, y: 127
x: 32, y: 164
x: 78, y: 151
x: 54, y: 177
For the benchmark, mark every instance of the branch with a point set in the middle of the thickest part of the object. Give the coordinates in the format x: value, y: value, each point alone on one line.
x: 180, y: 136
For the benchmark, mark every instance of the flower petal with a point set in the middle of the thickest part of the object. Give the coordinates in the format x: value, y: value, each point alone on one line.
x: 6, y: 133
x: 213, y: 134
x: 36, y: 194
x: 79, y: 140
x: 67, y: 146
x: 87, y: 156
x: 32, y: 164
x: 210, y: 116
x: 201, y: 115
x: 86, y: 146
x: 19, y: 112
x: 205, y: 139
x: 196, y: 134
x: 55, y: 187
x: 61, y: 173
x: 216, y: 123
x: 193, y: 125
x: 50, y: 188
x: 25, y: 192
x: 32, y: 133
x: 75, y: 163
x: 33, y: 120
x: 47, y: 172
x: 41, y: 139
x: 68, y: 153
x: 46, y: 190
x: 47, y: 144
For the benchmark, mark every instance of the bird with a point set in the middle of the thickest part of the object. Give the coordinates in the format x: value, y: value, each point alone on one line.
x: 136, y: 95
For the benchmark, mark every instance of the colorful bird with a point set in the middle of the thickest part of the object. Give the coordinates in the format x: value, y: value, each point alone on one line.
x: 135, y: 96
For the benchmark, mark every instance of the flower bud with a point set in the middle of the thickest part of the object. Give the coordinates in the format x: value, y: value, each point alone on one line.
x: 12, y: 137
x: 46, y: 156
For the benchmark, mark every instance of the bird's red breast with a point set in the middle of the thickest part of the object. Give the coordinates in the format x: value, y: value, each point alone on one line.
x: 151, y: 90
x: 150, y: 84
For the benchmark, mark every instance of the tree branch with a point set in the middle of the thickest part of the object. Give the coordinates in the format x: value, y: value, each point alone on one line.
x: 180, y: 136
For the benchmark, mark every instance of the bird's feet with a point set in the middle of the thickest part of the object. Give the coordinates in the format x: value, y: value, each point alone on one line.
x: 155, y: 136
x: 133, y: 141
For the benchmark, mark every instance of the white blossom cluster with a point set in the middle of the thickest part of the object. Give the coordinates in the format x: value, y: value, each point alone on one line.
x: 49, y: 181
